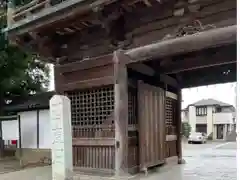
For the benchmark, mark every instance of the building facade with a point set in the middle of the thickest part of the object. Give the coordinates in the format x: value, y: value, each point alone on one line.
x: 213, y: 117
x: 32, y: 130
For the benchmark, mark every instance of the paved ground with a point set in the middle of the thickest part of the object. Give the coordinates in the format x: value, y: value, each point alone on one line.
x: 211, y: 161
x: 215, y: 161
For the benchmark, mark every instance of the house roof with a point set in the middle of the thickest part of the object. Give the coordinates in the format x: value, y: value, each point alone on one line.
x: 31, y: 102
x: 210, y: 102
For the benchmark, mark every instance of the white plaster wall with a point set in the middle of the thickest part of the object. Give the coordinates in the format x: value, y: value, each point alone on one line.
x: 44, y: 130
x: 29, y: 129
x: 223, y: 118
x: 10, y: 130
x: 201, y: 119
x: 192, y: 118
x: 209, y: 120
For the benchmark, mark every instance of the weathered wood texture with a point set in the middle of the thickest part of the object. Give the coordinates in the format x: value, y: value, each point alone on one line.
x: 120, y: 113
x: 84, y: 74
x: 151, y: 125
x: 144, y: 25
x: 94, y: 157
x: 203, y: 40
x: 171, y: 149
x: 153, y: 27
x: 171, y: 116
x: 133, y: 148
x: 179, y: 125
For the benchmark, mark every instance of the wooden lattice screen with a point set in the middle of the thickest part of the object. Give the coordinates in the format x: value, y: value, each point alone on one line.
x: 92, y: 112
x: 171, y: 122
x: 92, y: 122
x: 171, y: 107
x: 92, y: 118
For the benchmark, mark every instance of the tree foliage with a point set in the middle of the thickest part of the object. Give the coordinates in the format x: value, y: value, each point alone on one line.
x: 20, y: 72
x: 186, y: 129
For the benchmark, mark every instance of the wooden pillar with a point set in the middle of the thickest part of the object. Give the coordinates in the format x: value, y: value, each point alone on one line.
x: 120, y: 114
x: 58, y: 79
x: 179, y: 126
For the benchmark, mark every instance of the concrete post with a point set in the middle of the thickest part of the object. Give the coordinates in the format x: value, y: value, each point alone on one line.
x: 60, y: 119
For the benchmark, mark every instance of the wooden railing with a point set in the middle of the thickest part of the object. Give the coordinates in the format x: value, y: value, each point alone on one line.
x: 34, y: 7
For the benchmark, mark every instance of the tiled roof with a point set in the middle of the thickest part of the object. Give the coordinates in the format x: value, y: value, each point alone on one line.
x: 209, y: 102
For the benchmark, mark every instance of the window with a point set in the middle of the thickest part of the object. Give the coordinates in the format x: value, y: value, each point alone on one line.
x: 218, y: 109
x: 201, y: 111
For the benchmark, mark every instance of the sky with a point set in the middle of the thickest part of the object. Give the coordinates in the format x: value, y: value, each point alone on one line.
x: 222, y: 92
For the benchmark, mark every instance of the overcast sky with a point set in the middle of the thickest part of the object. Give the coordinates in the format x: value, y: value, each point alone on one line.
x: 222, y: 92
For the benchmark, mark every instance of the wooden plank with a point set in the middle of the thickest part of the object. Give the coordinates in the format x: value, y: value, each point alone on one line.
x: 223, y: 55
x: 212, y: 38
x: 68, y: 8
x: 93, y: 141
x: 148, y: 71
x: 88, y: 74
x: 86, y: 64
x: 179, y: 125
x: 120, y: 114
x: 87, y: 83
x: 151, y: 124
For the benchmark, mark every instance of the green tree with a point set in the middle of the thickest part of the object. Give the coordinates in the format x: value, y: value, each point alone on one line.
x: 186, y: 129
x: 21, y: 73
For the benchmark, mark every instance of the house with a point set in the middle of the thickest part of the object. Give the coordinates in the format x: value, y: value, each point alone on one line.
x: 211, y: 116
x: 31, y: 128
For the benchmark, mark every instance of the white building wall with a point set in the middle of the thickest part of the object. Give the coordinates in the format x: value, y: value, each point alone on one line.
x: 192, y: 118
x: 209, y: 120
x: 28, y: 121
x: 223, y: 118
x: 44, y: 130
x: 29, y: 129
x: 201, y: 119
x: 10, y: 130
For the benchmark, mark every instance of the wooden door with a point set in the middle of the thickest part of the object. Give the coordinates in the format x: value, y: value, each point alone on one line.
x: 151, y: 109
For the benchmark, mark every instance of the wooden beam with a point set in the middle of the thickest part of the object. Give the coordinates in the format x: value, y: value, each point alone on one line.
x: 168, y: 80
x: 120, y: 114
x: 203, y: 40
x: 208, y: 76
x: 94, y: 141
x: 222, y: 57
x: 102, y: 81
x: 86, y: 63
x: 142, y: 68
x: 147, y: 70
x: 70, y: 8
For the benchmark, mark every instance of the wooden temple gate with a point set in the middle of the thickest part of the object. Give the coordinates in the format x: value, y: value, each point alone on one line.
x: 118, y: 118
x: 126, y: 104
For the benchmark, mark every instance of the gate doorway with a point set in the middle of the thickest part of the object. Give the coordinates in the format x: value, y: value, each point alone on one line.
x: 220, y: 131
x: 151, y: 100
